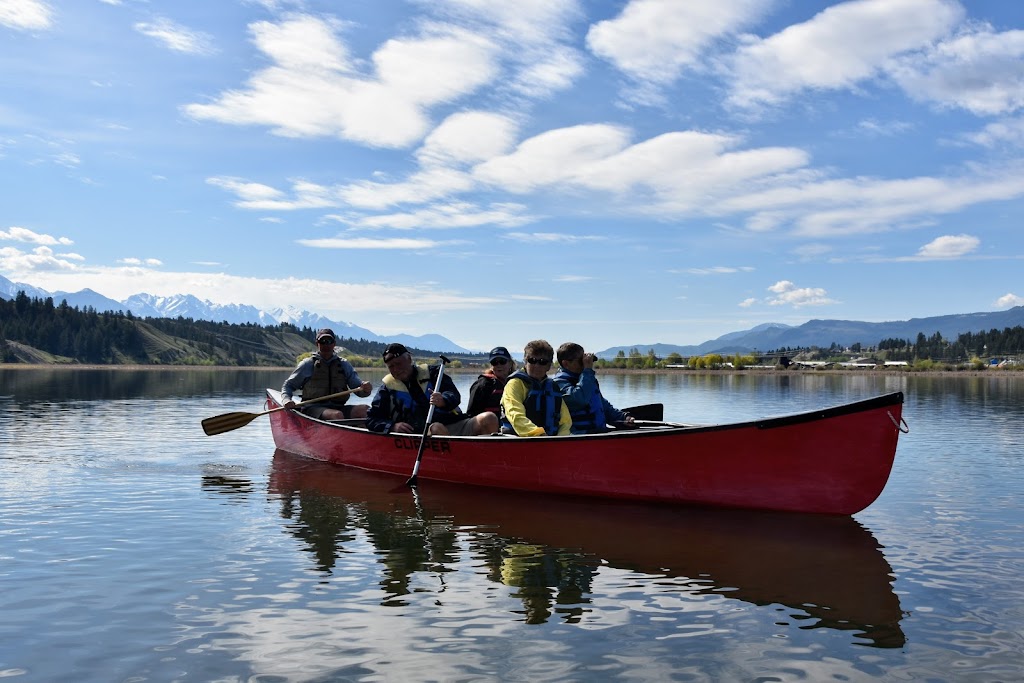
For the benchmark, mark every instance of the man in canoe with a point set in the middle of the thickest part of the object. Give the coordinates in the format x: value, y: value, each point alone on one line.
x: 577, y: 381
x: 324, y: 373
x: 406, y: 393
x: 530, y: 404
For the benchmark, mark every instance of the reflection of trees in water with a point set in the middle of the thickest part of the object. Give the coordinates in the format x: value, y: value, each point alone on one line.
x: 65, y: 384
x: 322, y: 523
x: 404, y: 545
x: 547, y: 580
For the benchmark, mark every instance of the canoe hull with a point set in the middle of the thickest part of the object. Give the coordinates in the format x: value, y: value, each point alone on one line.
x: 831, y: 461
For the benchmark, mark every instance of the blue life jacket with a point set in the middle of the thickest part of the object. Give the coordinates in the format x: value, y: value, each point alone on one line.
x: 543, y: 404
x: 590, y: 419
x: 411, y: 405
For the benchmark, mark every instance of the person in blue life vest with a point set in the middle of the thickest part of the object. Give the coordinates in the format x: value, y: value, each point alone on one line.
x: 530, y: 404
x: 406, y: 393
x: 324, y: 373
x: 485, y: 394
x: 577, y: 382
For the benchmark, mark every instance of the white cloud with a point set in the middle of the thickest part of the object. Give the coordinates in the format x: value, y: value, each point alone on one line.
x: 979, y: 70
x: 468, y: 137
x: 1000, y: 134
x: 177, y: 37
x: 314, y: 90
x: 257, y: 196
x: 654, y: 40
x: 674, y: 174
x: 26, y: 15
x: 558, y: 68
x: 368, y: 243
x: 40, y: 259
x: 552, y: 237
x: 875, y: 128
x: 864, y: 205
x: 573, y: 278
x: 1009, y: 300
x: 787, y: 294
x: 148, y: 262
x: 839, y: 47
x: 420, y: 187
x: 719, y: 270
x: 534, y: 38
x: 807, y: 252
x: 948, y: 247
x: 445, y: 216
x: 18, y: 234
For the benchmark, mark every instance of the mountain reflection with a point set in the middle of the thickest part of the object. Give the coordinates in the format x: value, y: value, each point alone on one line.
x: 548, y: 550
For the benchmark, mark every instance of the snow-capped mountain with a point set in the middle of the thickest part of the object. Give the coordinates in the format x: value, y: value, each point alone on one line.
x: 188, y: 306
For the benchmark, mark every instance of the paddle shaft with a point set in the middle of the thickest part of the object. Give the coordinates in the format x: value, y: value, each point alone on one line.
x: 230, y: 421
x: 426, y: 429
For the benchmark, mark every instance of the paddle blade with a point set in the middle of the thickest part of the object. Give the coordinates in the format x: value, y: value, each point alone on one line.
x: 654, y: 412
x: 226, y: 422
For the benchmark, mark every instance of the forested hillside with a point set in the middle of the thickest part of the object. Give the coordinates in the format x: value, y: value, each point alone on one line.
x: 34, y: 330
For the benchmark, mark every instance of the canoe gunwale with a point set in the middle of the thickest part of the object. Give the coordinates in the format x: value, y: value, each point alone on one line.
x: 659, y: 428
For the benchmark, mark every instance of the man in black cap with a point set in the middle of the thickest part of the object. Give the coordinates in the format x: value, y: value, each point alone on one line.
x: 485, y: 394
x: 324, y: 373
x: 406, y: 394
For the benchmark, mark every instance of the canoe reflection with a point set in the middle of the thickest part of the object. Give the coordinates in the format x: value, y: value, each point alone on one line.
x: 549, y: 549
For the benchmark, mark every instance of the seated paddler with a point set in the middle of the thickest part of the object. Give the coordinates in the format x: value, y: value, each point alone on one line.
x: 324, y: 373
x: 406, y: 393
x: 530, y: 404
x: 577, y: 381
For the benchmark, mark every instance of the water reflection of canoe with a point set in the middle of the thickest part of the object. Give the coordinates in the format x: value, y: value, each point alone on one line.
x: 831, y: 568
x: 832, y: 461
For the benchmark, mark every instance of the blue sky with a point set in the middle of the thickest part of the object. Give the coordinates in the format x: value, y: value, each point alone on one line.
x: 605, y: 172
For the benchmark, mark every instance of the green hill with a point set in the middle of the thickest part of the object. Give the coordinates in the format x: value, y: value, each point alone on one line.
x: 34, y: 330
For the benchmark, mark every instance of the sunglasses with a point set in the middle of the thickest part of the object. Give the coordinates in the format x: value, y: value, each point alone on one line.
x: 538, y: 361
x: 325, y: 340
x: 499, y: 361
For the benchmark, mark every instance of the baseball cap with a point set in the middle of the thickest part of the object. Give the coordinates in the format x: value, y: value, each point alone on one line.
x: 500, y: 352
x: 393, y: 350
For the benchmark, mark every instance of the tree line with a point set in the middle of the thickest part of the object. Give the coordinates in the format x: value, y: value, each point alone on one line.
x: 112, y: 337
x: 992, y: 344
x: 84, y: 335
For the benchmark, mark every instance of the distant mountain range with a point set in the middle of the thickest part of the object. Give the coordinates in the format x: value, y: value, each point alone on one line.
x: 188, y: 306
x: 763, y: 338
x: 822, y: 333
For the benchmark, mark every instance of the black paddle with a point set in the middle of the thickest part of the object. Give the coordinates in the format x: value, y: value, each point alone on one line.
x: 426, y: 428
x: 650, y: 411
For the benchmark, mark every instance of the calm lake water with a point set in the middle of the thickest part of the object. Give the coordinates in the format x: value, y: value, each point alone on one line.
x: 135, y: 548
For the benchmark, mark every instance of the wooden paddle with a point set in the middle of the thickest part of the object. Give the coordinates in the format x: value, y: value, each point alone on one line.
x: 426, y: 430
x: 229, y: 421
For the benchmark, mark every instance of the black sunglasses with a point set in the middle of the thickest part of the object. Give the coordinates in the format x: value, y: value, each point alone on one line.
x: 325, y: 340
x: 499, y: 361
x: 538, y: 361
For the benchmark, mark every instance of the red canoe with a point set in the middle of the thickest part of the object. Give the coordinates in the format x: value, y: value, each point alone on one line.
x: 830, y: 461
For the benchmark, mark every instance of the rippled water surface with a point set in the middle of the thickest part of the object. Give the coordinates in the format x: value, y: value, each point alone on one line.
x: 135, y: 548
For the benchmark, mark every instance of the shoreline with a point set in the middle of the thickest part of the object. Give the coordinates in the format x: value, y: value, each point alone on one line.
x: 987, y: 372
